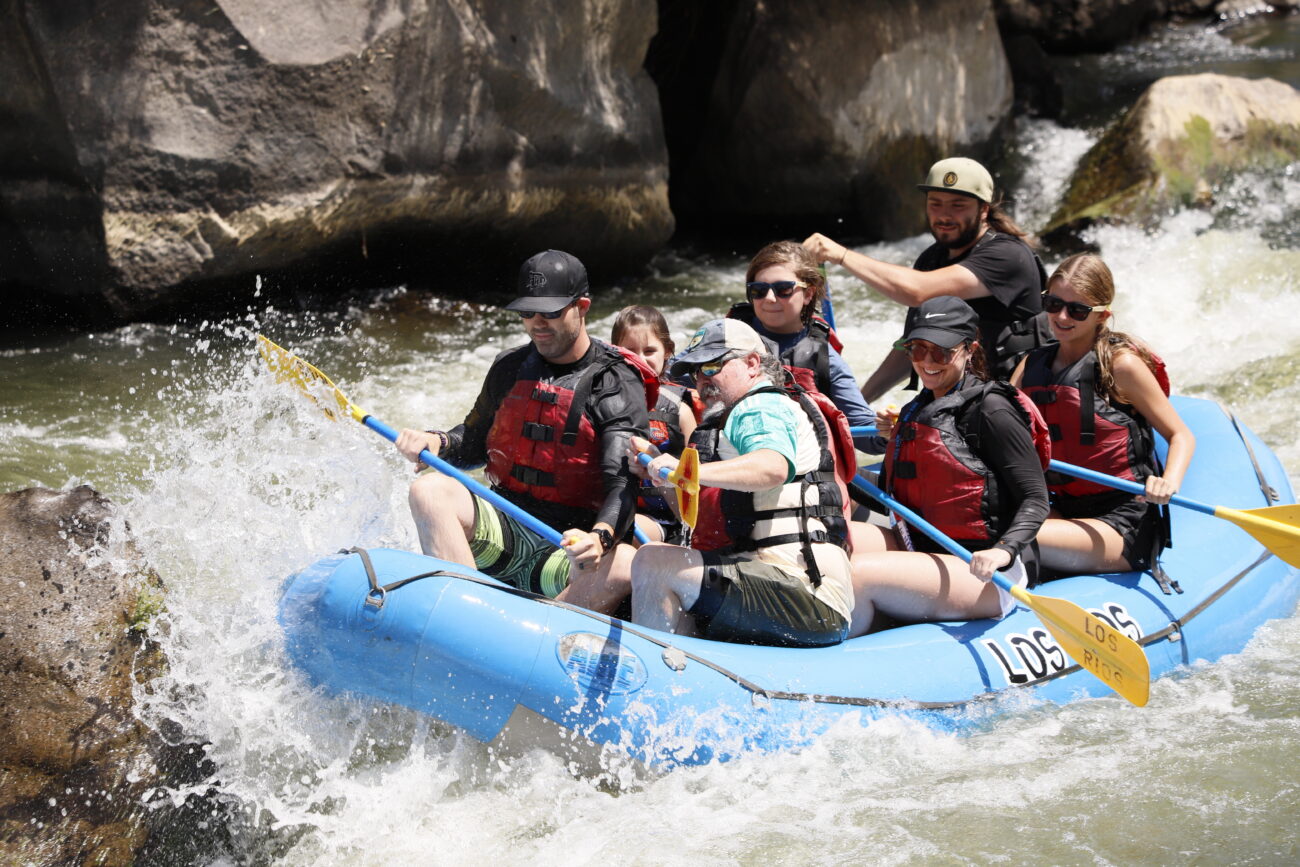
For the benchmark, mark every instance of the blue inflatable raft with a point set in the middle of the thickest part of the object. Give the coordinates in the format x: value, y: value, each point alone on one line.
x: 516, y: 670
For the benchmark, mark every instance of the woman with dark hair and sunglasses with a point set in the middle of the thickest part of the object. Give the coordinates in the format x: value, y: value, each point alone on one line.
x: 1102, y: 392
x: 968, y: 455
x: 783, y: 292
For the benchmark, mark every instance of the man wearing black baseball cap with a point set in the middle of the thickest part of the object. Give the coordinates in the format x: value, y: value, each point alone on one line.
x: 551, y: 423
x: 979, y: 254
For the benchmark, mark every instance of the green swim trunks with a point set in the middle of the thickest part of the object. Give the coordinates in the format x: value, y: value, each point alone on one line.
x: 510, y: 552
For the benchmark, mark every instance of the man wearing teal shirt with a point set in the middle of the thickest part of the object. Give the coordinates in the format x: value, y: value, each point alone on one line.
x: 770, y: 564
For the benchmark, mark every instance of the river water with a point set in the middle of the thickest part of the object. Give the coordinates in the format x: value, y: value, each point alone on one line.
x: 230, y: 482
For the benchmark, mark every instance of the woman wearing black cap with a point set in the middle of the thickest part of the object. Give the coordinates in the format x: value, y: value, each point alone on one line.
x: 964, y: 456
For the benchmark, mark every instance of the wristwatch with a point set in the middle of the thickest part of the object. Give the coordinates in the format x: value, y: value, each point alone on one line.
x: 606, y: 539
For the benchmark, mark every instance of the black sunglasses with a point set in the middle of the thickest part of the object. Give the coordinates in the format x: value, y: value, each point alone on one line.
x: 782, y: 288
x: 528, y: 314
x: 1076, y: 311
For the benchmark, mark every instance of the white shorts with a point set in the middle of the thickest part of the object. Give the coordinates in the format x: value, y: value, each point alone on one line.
x: 1017, y: 575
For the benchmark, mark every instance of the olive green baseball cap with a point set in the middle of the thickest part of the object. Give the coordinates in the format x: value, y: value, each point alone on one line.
x: 960, y: 175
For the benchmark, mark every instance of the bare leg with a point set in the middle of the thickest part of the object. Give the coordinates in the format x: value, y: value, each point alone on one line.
x: 666, y: 582
x: 918, y: 587
x: 1081, y: 545
x: 653, y: 530
x: 606, y: 586
x: 444, y: 517
x: 868, y: 539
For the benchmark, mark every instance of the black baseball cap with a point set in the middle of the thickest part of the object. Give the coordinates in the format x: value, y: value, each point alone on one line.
x: 945, y: 321
x: 548, y: 282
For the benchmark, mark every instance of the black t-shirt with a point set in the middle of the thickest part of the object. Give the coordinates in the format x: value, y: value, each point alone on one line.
x: 1015, y: 279
x: 616, y: 410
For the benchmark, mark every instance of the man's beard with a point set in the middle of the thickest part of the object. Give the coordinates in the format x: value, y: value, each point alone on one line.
x: 964, y: 239
x: 711, y: 395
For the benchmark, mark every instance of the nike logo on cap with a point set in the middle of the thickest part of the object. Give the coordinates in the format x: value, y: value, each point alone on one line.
x: 932, y: 315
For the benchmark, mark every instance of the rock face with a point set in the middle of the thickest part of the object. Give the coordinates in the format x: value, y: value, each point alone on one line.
x: 1088, y: 25
x: 194, y: 143
x: 1182, y: 137
x: 838, y: 108
x: 75, y: 764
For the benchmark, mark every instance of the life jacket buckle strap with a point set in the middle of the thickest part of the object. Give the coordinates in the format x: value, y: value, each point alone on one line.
x: 544, y: 396
x: 538, y: 432
x: 533, y: 477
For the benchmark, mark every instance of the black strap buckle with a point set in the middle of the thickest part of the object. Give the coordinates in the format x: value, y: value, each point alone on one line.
x: 538, y: 432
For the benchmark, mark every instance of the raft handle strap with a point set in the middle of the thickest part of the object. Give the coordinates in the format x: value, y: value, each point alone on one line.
x: 1270, y: 493
x: 378, y: 595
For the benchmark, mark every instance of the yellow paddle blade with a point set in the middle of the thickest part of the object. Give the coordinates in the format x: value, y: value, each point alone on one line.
x: 1277, y: 528
x: 1112, y: 656
x: 687, y: 480
x: 288, y: 367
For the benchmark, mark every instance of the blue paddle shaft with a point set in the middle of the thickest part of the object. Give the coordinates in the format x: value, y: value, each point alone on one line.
x: 1124, y: 485
x: 546, y: 531
x: 926, y: 527
x: 865, y: 431
x: 644, y: 460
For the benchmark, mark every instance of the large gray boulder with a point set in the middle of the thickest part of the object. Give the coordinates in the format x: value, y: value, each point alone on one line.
x: 150, y: 145
x: 1184, y: 136
x: 76, y: 765
x: 840, y: 107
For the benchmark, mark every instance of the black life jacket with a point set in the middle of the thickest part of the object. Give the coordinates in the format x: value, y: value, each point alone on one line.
x: 542, y: 443
x: 728, y: 519
x: 933, y: 464
x: 666, y: 434
x: 1088, y: 430
x: 809, y: 358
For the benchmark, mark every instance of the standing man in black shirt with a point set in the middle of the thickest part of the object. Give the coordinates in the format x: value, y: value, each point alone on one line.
x: 979, y: 255
x: 551, y: 423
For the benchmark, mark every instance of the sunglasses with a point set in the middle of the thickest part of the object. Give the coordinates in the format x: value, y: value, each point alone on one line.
x: 713, y: 368
x: 1076, y: 311
x: 918, y: 352
x: 528, y: 314
x: 782, y: 288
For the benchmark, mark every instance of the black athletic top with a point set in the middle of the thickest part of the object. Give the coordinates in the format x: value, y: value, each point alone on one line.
x: 1015, y: 279
x: 616, y: 409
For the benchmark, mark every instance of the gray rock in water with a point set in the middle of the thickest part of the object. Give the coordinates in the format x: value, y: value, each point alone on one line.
x: 76, y: 766
x: 1183, y: 137
x: 160, y: 145
x: 841, y: 107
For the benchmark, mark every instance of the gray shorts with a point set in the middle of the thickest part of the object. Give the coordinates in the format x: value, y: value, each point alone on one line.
x: 751, y: 602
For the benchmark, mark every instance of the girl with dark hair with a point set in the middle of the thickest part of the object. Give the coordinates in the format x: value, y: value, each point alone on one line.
x: 642, y: 329
x: 784, y: 288
x: 967, y: 454
x: 1103, y: 393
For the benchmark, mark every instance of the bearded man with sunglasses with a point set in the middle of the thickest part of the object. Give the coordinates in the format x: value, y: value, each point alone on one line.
x: 979, y: 255
x: 769, y: 563
x: 551, y: 423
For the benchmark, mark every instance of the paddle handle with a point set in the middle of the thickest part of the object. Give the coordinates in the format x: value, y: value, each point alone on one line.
x: 928, y: 529
x: 1124, y: 485
x: 863, y: 431
x: 644, y: 460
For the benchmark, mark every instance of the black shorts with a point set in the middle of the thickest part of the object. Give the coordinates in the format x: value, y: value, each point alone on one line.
x: 1136, y: 522
x: 751, y: 602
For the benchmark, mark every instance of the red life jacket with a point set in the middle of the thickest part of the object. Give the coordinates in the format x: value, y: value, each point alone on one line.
x: 809, y: 358
x: 933, y: 464
x: 727, y: 518
x: 542, y: 442
x: 1088, y: 430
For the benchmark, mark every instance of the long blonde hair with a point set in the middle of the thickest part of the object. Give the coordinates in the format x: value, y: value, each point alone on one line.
x: 1089, y: 276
